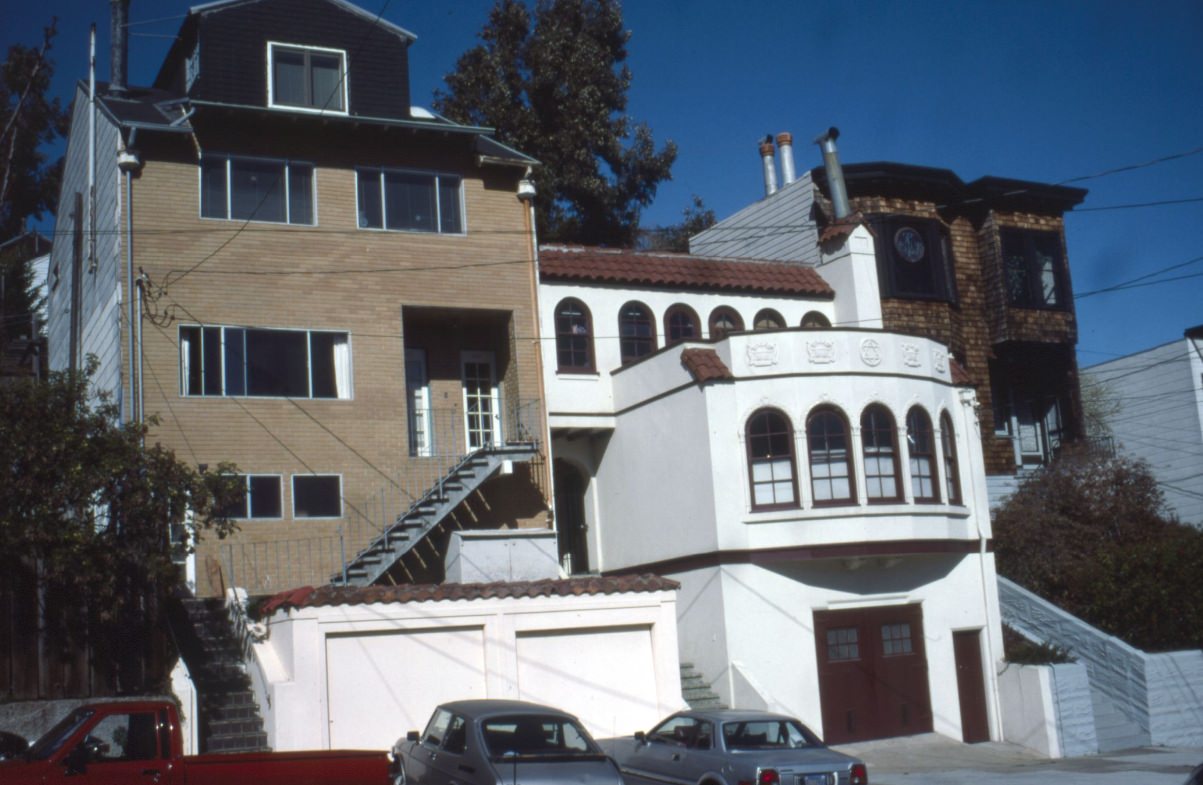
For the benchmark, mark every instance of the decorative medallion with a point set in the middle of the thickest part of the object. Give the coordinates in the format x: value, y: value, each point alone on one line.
x: 762, y: 354
x: 910, y: 354
x: 909, y: 244
x: 939, y: 360
x: 870, y: 352
x: 820, y: 352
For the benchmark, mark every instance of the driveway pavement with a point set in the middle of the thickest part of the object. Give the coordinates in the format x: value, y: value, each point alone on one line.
x: 932, y: 759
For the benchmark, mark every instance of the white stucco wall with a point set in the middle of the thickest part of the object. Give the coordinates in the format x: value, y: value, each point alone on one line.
x: 1047, y: 708
x: 486, y: 556
x: 363, y: 675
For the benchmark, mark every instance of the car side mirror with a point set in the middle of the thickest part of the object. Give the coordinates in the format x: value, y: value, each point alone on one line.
x: 641, y: 737
x: 413, y: 735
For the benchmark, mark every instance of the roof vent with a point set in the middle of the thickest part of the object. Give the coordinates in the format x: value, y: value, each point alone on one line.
x: 770, y: 166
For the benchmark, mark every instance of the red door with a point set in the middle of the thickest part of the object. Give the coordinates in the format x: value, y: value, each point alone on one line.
x: 872, y: 673
x: 971, y: 685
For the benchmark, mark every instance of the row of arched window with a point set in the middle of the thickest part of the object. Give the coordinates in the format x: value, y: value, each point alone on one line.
x: 637, y: 330
x: 773, y: 468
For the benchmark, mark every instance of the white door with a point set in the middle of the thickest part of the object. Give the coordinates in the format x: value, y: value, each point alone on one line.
x: 482, y: 409
x: 417, y: 398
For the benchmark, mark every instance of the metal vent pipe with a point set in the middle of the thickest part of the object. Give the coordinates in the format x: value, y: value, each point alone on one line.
x: 770, y: 166
x: 835, y: 174
x: 118, y: 79
x: 785, y: 147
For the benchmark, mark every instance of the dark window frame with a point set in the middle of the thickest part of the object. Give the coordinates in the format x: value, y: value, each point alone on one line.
x: 813, y: 320
x: 952, y: 471
x: 373, y: 213
x: 316, y: 477
x: 876, y: 423
x: 223, y: 362
x: 780, y: 433
x: 296, y: 213
x: 919, y: 449
x: 1020, y: 252
x: 768, y: 314
x: 247, y: 511
x: 672, y: 327
x: 577, y: 344
x: 830, y: 414
x: 311, y: 102
x: 930, y: 277
x: 633, y: 346
x: 732, y: 315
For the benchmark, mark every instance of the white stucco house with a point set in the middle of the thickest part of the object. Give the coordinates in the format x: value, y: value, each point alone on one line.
x: 1157, y: 401
x: 818, y: 493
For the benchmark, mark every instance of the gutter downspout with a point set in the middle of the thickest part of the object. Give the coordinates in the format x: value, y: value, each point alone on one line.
x: 969, y: 404
x: 127, y: 163
x: 92, y: 150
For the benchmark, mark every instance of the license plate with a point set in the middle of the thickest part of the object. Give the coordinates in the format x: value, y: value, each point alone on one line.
x: 815, y: 779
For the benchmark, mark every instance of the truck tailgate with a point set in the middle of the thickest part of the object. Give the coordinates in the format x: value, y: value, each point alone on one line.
x: 309, y: 767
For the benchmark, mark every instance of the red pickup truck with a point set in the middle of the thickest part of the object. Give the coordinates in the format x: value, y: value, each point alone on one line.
x: 140, y: 742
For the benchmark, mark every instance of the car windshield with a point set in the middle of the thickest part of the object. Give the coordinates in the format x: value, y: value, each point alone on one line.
x: 537, y: 736
x: 56, y: 737
x: 768, y: 734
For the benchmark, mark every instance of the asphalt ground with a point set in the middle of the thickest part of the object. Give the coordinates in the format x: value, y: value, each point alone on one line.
x: 931, y: 759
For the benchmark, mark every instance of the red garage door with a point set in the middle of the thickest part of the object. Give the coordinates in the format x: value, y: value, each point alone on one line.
x: 872, y: 673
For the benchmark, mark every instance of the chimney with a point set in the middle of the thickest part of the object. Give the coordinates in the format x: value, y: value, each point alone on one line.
x: 770, y: 167
x: 119, y: 13
x: 835, y: 174
x: 785, y: 144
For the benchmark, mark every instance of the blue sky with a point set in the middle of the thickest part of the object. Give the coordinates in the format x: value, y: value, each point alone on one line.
x: 1046, y: 91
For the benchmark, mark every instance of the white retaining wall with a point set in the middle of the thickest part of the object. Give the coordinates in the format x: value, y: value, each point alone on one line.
x: 1047, y: 708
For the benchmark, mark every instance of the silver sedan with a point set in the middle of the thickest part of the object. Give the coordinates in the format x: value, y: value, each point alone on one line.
x: 733, y: 747
x: 499, y: 742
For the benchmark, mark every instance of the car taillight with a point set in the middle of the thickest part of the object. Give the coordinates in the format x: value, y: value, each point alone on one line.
x: 859, y: 774
x: 767, y: 777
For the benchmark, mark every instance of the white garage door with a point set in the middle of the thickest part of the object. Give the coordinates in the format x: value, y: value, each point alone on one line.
x: 605, y: 677
x: 380, y: 686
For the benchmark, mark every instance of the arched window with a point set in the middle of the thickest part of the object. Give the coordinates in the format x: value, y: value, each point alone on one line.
x: 768, y: 319
x: 925, y: 479
x: 813, y: 320
x: 680, y: 324
x: 574, y: 337
x: 771, y: 468
x: 636, y: 332
x: 952, y: 472
x: 831, y: 478
x: 879, y: 440
x: 724, y: 320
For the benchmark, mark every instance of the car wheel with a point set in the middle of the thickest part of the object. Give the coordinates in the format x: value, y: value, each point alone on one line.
x: 399, y: 777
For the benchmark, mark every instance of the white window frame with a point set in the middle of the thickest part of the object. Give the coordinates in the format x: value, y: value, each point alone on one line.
x: 341, y: 497
x: 287, y: 163
x: 350, y: 371
x: 342, y: 78
x: 246, y: 478
x: 438, y: 206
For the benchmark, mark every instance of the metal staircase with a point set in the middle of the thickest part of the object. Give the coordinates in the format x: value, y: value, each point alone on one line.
x: 428, y: 511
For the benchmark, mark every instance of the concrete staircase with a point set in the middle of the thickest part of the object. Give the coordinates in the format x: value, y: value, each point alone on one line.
x: 374, y: 561
x: 229, y: 718
x: 1114, y: 730
x: 696, y: 690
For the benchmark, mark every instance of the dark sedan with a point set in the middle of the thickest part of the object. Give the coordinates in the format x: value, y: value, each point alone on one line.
x: 733, y: 747
x: 498, y: 742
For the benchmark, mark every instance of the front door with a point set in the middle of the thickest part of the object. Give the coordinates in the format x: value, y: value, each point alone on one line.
x: 872, y: 673
x: 417, y: 398
x: 570, y: 487
x: 482, y: 409
x: 971, y: 685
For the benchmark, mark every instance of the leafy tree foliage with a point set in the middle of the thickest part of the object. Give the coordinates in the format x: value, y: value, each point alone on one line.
x: 695, y: 218
x: 1091, y: 534
x: 554, y: 85
x: 91, y: 517
x: 28, y: 120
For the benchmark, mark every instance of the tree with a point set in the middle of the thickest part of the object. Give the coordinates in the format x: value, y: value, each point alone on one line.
x: 554, y: 85
x: 28, y: 120
x: 1091, y: 534
x: 696, y: 217
x: 92, y: 518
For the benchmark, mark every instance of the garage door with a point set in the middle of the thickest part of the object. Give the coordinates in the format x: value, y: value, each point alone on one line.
x: 380, y: 686
x: 605, y: 677
x: 872, y: 673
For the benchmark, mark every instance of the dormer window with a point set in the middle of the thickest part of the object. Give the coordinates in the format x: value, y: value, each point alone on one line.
x: 307, y: 77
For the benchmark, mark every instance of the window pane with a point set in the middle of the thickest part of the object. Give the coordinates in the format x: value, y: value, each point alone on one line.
x: 636, y: 338
x: 213, y: 188
x: 289, y: 78
x: 277, y: 363
x: 300, y: 194
x: 257, y: 190
x: 238, y: 507
x: 409, y: 202
x: 449, y: 212
x: 325, y: 383
x: 235, y: 353
x: 369, y: 201
x: 316, y: 496
x: 265, y: 497
x: 212, y: 360
x: 190, y: 360
x: 327, y: 87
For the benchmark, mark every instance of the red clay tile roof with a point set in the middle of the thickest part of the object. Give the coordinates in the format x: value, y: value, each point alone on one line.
x: 309, y: 597
x: 842, y: 227
x: 678, y: 271
x: 960, y: 377
x: 705, y: 365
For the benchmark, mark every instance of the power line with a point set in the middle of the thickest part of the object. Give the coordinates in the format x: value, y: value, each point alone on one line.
x: 1135, y: 205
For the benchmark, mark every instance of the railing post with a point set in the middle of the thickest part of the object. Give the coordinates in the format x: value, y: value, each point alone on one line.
x: 342, y: 554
